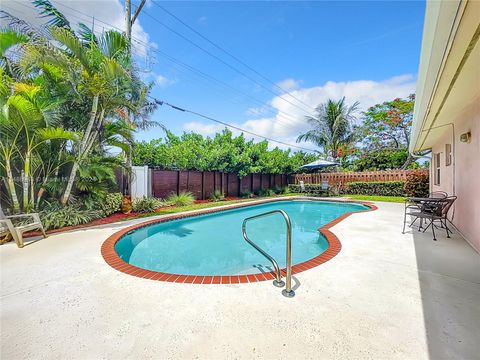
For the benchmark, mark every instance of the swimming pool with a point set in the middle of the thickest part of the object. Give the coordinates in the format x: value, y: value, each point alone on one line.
x: 212, y: 244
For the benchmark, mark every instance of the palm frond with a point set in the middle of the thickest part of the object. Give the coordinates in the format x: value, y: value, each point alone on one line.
x: 114, y: 45
x: 112, y: 70
x: 47, y: 10
x: 10, y: 38
x: 86, y: 34
x: 73, y: 44
x: 45, y: 134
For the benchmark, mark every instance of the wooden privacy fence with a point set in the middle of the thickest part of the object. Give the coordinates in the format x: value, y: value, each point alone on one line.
x: 341, y: 178
x: 202, y: 184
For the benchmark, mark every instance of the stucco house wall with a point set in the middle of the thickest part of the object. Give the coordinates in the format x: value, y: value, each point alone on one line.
x: 462, y: 177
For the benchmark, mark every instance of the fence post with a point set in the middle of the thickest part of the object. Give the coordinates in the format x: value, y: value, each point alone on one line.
x: 178, y: 182
x: 203, y: 185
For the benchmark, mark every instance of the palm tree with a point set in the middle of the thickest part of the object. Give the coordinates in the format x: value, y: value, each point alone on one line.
x: 331, y: 127
x: 28, y: 120
x: 96, y: 85
x: 101, y: 73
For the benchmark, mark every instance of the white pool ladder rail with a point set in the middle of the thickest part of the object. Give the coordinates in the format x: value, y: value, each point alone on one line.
x: 288, y: 292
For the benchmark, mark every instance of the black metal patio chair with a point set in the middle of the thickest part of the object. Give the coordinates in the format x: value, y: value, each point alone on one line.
x: 416, y: 204
x: 431, y: 209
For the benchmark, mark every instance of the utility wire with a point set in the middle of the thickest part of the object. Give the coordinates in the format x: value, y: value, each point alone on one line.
x: 160, y: 102
x: 289, y: 118
x: 223, y: 61
x: 222, y: 49
x: 178, y: 108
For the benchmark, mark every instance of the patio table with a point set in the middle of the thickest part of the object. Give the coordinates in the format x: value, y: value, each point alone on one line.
x: 423, y: 204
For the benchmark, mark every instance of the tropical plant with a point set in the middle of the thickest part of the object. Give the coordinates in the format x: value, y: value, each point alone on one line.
x: 217, y: 195
x: 266, y: 192
x: 147, y: 204
x: 67, y: 93
x: 247, y: 195
x: 110, y: 204
x: 182, y: 199
x: 331, y: 127
x: 28, y: 121
x: 55, y: 217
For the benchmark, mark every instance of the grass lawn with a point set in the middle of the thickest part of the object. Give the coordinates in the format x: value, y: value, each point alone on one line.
x: 397, y: 199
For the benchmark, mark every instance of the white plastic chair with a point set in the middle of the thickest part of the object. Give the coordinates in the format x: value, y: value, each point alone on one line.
x: 302, y: 186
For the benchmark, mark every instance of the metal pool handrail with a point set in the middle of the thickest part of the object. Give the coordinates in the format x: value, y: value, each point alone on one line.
x: 288, y: 292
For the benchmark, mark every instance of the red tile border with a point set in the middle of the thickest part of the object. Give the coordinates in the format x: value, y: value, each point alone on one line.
x: 334, y: 246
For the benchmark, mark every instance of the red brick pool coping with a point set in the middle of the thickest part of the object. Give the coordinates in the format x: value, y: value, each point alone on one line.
x: 334, y: 246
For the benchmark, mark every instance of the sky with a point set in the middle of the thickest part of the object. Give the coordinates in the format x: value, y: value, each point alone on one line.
x: 292, y: 56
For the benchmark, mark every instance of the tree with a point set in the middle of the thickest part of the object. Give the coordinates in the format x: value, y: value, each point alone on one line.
x: 387, y: 126
x: 223, y: 152
x: 28, y: 121
x: 331, y: 127
x: 67, y: 94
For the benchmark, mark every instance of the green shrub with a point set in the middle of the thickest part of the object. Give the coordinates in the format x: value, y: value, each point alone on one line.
x: 417, y: 184
x: 146, y: 204
x: 110, y: 204
x: 217, y: 195
x: 54, y: 217
x: 247, y: 195
x: 382, y: 188
x: 182, y: 199
x: 265, y: 192
x: 277, y: 190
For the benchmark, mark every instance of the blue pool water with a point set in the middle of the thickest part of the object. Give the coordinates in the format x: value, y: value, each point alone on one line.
x: 212, y: 244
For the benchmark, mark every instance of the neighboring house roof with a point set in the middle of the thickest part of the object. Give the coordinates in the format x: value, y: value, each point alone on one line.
x: 449, y: 71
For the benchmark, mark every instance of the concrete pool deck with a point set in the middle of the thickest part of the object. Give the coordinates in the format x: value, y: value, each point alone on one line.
x: 384, y: 296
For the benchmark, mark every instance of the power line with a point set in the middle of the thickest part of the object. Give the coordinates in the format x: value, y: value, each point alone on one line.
x: 223, y: 61
x: 213, y: 119
x: 230, y: 54
x: 178, y: 108
x: 228, y: 86
x: 280, y: 114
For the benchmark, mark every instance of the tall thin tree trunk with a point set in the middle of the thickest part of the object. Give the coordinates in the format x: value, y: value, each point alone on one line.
x: 93, y: 137
x: 32, y: 192
x: 26, y: 183
x: 71, y: 179
x: 83, y: 145
x: 11, y: 187
x: 40, y: 193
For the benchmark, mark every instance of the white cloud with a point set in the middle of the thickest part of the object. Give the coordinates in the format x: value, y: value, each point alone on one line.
x: 289, y: 120
x: 105, y: 15
x: 203, y: 129
x: 163, y: 82
x: 289, y: 84
x: 202, y: 19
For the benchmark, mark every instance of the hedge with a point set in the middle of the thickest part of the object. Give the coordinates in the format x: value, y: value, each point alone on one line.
x: 417, y: 184
x: 382, y: 188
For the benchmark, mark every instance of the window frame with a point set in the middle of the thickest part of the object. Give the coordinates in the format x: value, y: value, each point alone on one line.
x: 448, y: 154
x: 436, y: 168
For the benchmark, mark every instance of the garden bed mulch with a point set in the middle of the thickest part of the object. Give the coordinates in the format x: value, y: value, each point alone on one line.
x: 116, y: 217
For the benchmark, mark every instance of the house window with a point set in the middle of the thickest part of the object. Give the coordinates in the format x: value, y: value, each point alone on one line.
x: 436, y: 169
x: 448, y: 154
